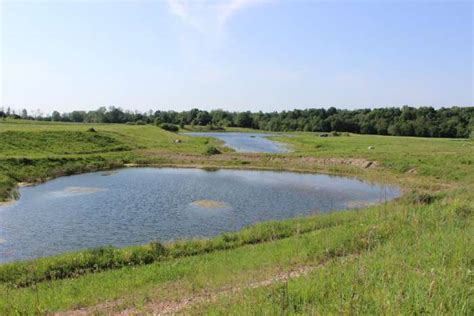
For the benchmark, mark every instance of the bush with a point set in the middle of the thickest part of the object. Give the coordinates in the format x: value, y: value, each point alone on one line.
x: 216, y: 128
x: 211, y: 150
x: 463, y: 211
x: 422, y: 198
x: 92, y: 130
x: 169, y: 127
x: 158, y: 249
x: 140, y: 122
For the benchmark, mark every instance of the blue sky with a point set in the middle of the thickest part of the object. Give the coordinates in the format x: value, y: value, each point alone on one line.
x: 235, y: 55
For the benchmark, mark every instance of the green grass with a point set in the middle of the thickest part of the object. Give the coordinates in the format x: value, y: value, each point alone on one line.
x: 37, y: 151
x: 410, y: 256
x: 443, y: 159
x: 19, y: 274
x: 20, y: 144
x: 422, y: 267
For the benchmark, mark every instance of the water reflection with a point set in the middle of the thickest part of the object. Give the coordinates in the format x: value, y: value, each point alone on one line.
x: 135, y: 206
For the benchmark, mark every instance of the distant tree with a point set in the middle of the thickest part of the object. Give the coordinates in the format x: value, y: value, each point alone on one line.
x: 56, y: 116
x: 191, y: 115
x: 202, y: 118
x: 169, y: 127
x: 331, y: 111
x: 97, y: 116
x: 244, y: 119
x: 114, y: 115
x: 381, y: 126
x: 405, y: 121
x: 77, y: 116
x: 471, y: 127
x: 394, y: 129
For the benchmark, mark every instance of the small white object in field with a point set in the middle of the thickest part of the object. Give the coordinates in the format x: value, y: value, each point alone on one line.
x: 177, y: 141
x: 371, y: 147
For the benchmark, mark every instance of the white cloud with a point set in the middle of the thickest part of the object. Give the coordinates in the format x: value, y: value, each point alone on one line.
x: 230, y: 8
x: 209, y: 16
x: 179, y: 8
x: 186, y: 11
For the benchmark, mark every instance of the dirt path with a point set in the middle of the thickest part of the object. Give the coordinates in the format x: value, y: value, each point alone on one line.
x: 173, y: 307
x: 167, y: 307
x: 256, y: 158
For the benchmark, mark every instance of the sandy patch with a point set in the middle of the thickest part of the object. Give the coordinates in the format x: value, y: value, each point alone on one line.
x: 259, y: 158
x: 25, y: 184
x: 7, y: 203
x: 359, y: 204
x: 131, y: 165
x: 210, y: 204
x: 83, y: 190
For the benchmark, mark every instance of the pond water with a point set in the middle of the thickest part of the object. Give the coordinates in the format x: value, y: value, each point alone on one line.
x: 247, y: 142
x: 138, y: 205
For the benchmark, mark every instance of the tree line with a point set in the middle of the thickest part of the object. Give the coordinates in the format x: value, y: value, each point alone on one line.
x: 405, y: 121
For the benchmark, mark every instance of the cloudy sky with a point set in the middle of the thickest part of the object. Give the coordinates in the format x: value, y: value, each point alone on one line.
x: 235, y: 54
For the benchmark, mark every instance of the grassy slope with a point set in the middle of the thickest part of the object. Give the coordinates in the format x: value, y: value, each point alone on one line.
x: 36, y: 151
x: 409, y: 257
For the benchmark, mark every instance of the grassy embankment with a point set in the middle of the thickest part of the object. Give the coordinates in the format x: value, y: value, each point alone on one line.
x: 35, y: 151
x: 412, y: 255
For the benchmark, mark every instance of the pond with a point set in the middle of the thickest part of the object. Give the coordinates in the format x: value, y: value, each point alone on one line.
x: 138, y: 205
x: 246, y: 142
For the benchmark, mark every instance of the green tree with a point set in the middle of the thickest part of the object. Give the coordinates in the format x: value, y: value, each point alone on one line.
x: 244, y: 119
x: 56, y: 116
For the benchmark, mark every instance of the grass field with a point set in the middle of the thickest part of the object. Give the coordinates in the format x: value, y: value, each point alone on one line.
x: 412, y: 255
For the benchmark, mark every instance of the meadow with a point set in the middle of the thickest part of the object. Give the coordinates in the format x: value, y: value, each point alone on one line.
x: 412, y: 255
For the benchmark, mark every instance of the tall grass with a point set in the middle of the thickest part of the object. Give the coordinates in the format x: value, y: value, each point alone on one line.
x: 18, y: 274
x: 424, y: 266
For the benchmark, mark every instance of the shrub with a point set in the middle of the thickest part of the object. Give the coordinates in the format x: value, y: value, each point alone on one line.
x: 140, y: 122
x: 422, y: 198
x: 169, y: 127
x: 463, y: 211
x: 158, y: 249
x: 211, y: 150
x: 216, y: 128
x: 141, y: 256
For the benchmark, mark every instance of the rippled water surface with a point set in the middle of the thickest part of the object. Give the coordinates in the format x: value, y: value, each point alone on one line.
x: 247, y: 142
x: 135, y: 206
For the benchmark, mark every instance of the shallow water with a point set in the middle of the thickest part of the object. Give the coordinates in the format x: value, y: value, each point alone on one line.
x: 138, y: 205
x: 247, y: 142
